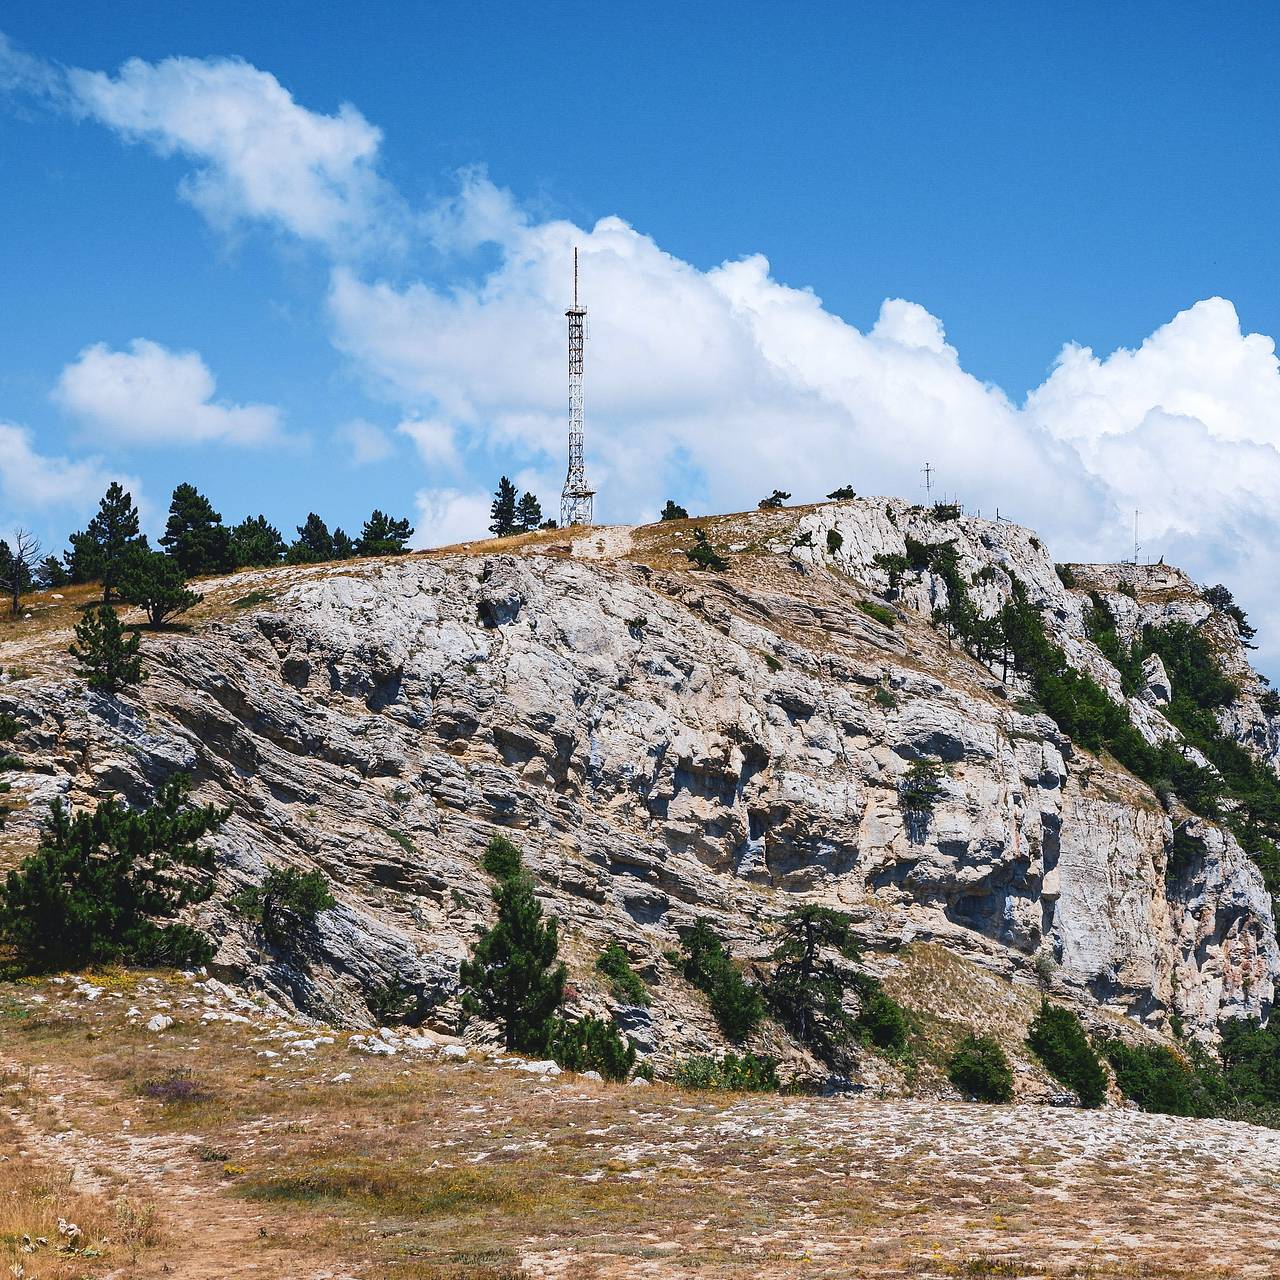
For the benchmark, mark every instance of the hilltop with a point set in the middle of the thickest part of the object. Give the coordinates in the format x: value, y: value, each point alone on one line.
x: 665, y: 744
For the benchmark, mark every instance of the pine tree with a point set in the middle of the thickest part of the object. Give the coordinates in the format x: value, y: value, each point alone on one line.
x: 285, y: 905
x: 807, y: 988
x: 383, y: 535
x: 83, y: 559
x: 503, y: 512
x: 673, y: 511
x: 513, y: 976
x: 107, y: 658
x: 153, y: 581
x: 255, y: 543
x: 344, y: 546
x: 314, y: 544
x: 50, y: 575
x: 773, y: 501
x: 528, y: 513
x: 112, y: 534
x: 195, y: 535
x: 100, y: 883
x: 704, y: 555
x: 842, y: 494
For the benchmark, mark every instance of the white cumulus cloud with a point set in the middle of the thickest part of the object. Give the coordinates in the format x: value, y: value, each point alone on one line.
x: 259, y: 154
x: 32, y: 481
x: 151, y: 395
x: 433, y: 439
x: 446, y: 516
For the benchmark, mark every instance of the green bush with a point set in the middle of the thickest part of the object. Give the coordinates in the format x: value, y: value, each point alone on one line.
x: 9, y: 763
x: 1058, y: 1040
x: 746, y: 1074
x: 736, y: 1004
x: 625, y: 983
x: 881, y: 1020
x: 835, y: 540
x: 880, y: 612
x: 946, y: 511
x: 394, y: 1002
x: 980, y: 1069
x: 1066, y: 575
x: 1250, y: 1056
x: 1154, y: 1077
x: 100, y: 884
x: 590, y: 1044
x: 501, y: 858
x: 921, y: 787
x: 285, y: 905
x: 894, y: 565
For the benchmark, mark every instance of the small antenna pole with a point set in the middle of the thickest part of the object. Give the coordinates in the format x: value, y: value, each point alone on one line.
x: 928, y: 485
x: 1137, y: 546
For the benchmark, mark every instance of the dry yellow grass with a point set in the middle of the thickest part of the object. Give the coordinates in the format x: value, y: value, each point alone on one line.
x: 437, y: 1169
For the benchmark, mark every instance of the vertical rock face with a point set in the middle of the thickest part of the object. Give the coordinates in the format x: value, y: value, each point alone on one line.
x: 665, y: 744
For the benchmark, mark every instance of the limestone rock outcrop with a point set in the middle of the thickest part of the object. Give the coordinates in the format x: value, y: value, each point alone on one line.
x: 665, y: 743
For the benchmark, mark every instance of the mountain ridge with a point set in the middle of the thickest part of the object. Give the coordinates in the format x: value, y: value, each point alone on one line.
x: 667, y: 743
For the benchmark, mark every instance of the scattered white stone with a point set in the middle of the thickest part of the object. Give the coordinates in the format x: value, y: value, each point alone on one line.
x: 454, y: 1051
x: 371, y: 1044
x: 639, y: 1083
x: 159, y: 1022
x: 267, y: 1053
x: 342, y: 1077
x: 591, y: 1075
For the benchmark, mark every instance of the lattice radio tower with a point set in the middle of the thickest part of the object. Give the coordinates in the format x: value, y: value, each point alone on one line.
x: 577, y: 499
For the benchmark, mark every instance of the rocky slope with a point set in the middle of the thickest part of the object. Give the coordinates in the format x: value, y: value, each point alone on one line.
x: 665, y: 743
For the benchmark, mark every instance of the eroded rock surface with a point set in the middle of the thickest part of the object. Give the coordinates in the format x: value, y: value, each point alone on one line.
x: 662, y: 744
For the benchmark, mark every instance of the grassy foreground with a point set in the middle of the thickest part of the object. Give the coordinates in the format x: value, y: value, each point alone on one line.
x: 207, y: 1148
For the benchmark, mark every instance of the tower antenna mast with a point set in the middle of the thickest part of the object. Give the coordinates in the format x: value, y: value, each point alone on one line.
x: 928, y: 482
x: 577, y: 499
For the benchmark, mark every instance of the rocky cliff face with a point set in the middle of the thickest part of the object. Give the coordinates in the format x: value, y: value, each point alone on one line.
x: 665, y: 743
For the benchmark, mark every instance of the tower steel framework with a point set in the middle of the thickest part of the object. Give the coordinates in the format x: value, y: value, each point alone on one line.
x: 577, y: 499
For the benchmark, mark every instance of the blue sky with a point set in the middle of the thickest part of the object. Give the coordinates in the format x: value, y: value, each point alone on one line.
x: 1051, y: 198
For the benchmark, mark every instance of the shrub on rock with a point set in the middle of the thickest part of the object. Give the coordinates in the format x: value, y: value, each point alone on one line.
x: 980, y: 1070
x: 1058, y: 1040
x: 590, y: 1044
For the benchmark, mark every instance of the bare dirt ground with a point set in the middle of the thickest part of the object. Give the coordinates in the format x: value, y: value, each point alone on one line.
x: 232, y: 1143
